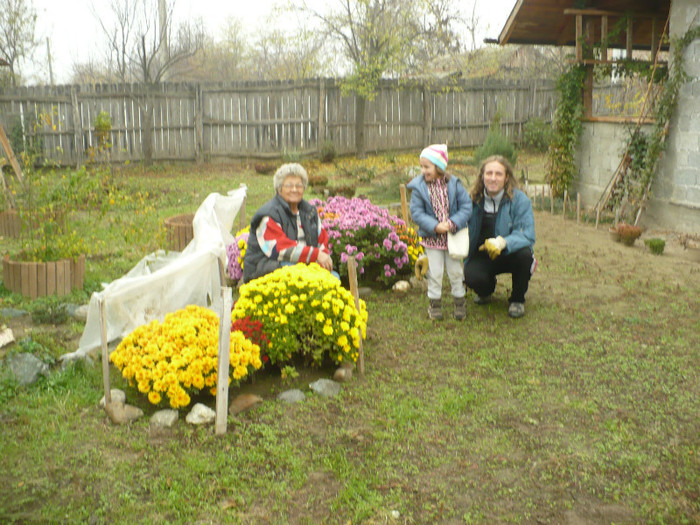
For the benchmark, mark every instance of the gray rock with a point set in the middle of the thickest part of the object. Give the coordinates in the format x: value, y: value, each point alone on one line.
x: 200, y: 415
x: 401, y: 286
x: 27, y: 368
x: 78, y: 312
x: 165, y: 418
x: 244, y: 402
x: 325, y: 387
x: 68, y: 360
x: 6, y: 336
x: 342, y: 374
x: 292, y: 396
x: 418, y: 284
x: 120, y: 413
x: 10, y: 313
x: 118, y: 396
x: 364, y: 291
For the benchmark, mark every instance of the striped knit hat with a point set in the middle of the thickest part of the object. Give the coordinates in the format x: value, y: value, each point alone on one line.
x: 437, y: 154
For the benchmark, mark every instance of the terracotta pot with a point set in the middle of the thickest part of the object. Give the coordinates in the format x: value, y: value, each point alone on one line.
x: 39, y: 279
x: 179, y: 230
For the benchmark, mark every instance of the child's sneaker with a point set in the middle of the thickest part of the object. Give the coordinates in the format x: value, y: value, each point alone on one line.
x: 435, y: 309
x: 460, y: 308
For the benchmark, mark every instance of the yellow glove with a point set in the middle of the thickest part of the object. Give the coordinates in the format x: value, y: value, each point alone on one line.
x: 421, y: 267
x: 493, y: 246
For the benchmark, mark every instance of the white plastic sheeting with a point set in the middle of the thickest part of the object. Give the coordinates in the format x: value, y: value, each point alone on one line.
x: 164, y: 282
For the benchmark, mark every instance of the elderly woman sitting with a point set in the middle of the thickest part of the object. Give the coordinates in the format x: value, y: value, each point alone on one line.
x: 286, y: 229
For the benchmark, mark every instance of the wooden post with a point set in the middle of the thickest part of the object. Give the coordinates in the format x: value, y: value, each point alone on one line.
x: 597, y: 216
x: 77, y: 126
x: 105, y: 352
x: 604, y: 38
x: 4, y: 141
x: 224, y: 360
x: 578, y: 208
x: 543, y: 197
x: 404, y: 206
x: 352, y: 278
x: 198, y: 124
x: 321, y: 135
x: 629, y: 40
x: 566, y: 196
x: 551, y: 201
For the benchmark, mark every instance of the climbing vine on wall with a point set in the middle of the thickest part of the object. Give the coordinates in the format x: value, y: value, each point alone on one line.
x: 561, y: 166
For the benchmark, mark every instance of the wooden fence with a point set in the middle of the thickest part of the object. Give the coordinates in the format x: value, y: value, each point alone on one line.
x: 263, y: 119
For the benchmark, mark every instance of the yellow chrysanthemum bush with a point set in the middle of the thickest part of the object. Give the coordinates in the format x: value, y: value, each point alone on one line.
x: 177, y: 358
x: 304, y: 311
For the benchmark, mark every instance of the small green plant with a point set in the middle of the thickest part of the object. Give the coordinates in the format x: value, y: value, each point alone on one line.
x: 49, y: 310
x: 328, y: 151
x: 496, y: 144
x: 291, y: 156
x: 537, y: 134
x: 655, y: 245
x: 289, y: 374
x: 30, y: 346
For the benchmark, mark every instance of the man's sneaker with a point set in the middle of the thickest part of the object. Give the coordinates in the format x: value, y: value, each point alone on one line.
x: 435, y: 309
x: 482, y: 299
x: 460, y: 308
x: 516, y: 310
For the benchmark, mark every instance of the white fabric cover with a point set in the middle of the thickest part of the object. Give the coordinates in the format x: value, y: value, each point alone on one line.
x: 163, y: 282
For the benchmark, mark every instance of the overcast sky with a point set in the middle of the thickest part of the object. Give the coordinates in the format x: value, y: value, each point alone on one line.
x: 75, y: 35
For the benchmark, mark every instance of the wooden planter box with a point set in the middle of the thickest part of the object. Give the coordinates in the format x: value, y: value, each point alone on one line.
x: 179, y: 230
x: 11, y: 222
x: 39, y: 279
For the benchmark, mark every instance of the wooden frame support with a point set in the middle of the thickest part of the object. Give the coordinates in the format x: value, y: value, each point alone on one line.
x: 352, y: 278
x: 223, y: 362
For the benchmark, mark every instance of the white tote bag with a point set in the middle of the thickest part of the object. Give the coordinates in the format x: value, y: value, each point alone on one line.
x: 458, y: 244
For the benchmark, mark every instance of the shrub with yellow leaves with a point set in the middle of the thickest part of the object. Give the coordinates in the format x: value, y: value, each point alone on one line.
x: 177, y: 358
x: 305, y: 311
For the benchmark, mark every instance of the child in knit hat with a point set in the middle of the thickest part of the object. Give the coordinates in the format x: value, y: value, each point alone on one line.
x: 440, y: 204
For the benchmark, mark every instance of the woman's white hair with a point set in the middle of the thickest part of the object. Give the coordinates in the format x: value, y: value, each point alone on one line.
x: 289, y: 170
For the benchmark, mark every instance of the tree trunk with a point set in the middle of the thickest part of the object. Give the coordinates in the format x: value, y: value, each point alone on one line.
x: 360, y: 147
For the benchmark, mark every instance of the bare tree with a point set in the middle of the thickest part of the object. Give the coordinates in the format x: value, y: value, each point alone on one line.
x: 17, y: 38
x: 382, y: 38
x: 143, y: 45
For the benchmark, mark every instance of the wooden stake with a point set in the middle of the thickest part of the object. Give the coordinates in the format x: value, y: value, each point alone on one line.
x: 597, y: 217
x: 11, y: 155
x: 566, y: 196
x: 543, y: 197
x: 551, y: 201
x: 578, y: 208
x: 105, y: 352
x: 404, y: 206
x: 352, y: 278
x: 224, y: 359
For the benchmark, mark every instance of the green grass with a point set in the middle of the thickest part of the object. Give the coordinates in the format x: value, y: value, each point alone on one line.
x: 587, y: 408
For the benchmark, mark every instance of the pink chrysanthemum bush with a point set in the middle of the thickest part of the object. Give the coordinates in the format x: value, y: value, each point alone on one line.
x: 383, y: 245
x: 235, y: 253
x: 305, y: 311
x: 177, y: 358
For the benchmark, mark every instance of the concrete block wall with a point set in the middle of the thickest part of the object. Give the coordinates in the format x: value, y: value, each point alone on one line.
x: 676, y: 192
x: 675, y: 202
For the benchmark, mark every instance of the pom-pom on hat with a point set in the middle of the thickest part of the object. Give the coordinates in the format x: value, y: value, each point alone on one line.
x: 437, y: 154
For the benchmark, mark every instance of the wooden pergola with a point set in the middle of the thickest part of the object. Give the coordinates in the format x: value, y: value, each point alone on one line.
x: 560, y: 23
